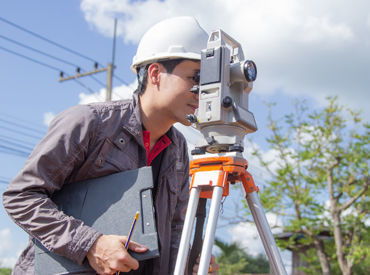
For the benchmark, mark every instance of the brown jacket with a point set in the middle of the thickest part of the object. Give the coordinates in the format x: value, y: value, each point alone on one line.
x: 85, y: 142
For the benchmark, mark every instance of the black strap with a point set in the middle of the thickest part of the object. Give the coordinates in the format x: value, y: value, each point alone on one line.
x: 198, y: 235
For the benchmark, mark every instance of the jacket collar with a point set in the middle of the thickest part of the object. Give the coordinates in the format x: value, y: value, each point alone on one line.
x: 132, y: 120
x: 133, y: 124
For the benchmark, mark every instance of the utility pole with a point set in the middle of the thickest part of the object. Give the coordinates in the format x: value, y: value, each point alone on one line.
x: 108, y: 96
x: 109, y: 69
x: 110, y: 66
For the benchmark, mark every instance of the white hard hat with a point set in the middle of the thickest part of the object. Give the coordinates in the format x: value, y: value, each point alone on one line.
x: 173, y: 38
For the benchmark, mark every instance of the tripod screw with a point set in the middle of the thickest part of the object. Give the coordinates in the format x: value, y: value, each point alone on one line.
x: 227, y: 102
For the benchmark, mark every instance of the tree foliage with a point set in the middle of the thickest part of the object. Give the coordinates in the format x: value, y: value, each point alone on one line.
x: 5, y: 271
x: 234, y: 260
x: 319, y: 183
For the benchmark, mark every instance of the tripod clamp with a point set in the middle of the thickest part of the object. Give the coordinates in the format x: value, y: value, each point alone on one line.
x: 230, y: 170
x: 211, y: 177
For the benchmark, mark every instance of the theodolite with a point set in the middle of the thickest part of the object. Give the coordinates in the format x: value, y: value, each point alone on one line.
x: 223, y: 118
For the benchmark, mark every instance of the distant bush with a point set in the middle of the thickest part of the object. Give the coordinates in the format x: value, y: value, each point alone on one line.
x: 5, y: 271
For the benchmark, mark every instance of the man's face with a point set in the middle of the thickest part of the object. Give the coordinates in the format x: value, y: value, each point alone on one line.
x: 174, y: 93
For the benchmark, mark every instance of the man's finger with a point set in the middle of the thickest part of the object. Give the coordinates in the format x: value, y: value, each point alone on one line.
x: 134, y: 246
x: 122, y: 268
x: 125, y: 263
x: 213, y: 265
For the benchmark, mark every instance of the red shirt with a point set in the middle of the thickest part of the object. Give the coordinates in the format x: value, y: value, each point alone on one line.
x: 159, y: 146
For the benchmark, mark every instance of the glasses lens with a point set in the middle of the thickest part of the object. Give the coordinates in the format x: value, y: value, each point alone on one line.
x: 196, y: 77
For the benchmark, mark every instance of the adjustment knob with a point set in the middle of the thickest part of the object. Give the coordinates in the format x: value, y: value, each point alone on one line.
x: 192, y: 118
x: 195, y: 89
x: 227, y: 102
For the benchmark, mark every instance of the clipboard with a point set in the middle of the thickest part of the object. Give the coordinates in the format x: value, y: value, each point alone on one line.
x: 107, y: 204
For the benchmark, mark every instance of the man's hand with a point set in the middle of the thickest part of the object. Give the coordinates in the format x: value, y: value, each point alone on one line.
x: 213, y: 267
x: 108, y: 254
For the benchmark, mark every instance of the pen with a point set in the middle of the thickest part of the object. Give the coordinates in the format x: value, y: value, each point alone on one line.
x: 131, y: 231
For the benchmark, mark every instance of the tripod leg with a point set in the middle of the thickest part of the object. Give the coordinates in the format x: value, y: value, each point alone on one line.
x: 198, y: 235
x: 182, y: 254
x: 209, y: 237
x: 265, y: 233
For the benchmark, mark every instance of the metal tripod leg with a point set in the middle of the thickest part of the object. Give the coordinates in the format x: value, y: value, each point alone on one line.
x: 210, y: 230
x: 264, y: 231
x: 182, y: 254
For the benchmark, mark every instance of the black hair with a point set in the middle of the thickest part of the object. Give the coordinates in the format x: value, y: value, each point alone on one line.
x: 142, y: 73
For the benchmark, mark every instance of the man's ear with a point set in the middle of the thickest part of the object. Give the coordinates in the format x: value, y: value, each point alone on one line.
x: 154, y: 74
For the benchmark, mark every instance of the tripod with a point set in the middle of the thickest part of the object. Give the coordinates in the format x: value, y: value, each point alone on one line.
x: 211, y: 176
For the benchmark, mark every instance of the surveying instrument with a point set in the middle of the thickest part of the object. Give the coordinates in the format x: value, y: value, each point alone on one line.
x: 226, y: 80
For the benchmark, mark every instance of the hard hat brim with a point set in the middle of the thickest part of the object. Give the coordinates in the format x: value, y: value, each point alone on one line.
x: 162, y: 57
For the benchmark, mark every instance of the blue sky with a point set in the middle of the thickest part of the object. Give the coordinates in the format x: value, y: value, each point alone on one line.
x: 302, y: 51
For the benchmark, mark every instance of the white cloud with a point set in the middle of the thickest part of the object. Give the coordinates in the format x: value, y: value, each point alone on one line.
x: 48, y: 117
x: 89, y: 98
x: 316, y: 29
x: 313, y: 48
x: 246, y: 235
x: 271, y: 156
x: 9, y: 248
x: 5, y: 240
x: 119, y: 92
x: 8, y: 262
x: 347, y: 212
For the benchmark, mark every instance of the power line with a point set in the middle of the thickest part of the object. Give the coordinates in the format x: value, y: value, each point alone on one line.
x: 47, y: 40
x: 20, y: 132
x: 18, y: 128
x: 22, y: 142
x: 86, y: 87
x: 97, y: 80
x: 38, y: 51
x: 45, y: 65
x: 11, y: 117
x: 4, y: 180
x: 31, y: 59
x: 124, y: 82
x: 13, y: 151
x: 49, y: 55
x: 22, y: 126
x: 17, y: 145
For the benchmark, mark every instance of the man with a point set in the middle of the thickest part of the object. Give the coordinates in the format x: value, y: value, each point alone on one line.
x: 95, y: 140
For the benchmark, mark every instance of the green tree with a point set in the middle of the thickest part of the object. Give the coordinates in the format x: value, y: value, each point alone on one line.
x: 319, y: 182
x: 234, y: 260
x: 5, y: 271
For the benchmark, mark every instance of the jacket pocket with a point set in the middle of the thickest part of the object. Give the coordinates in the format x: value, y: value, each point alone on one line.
x: 174, y: 181
x: 112, y: 158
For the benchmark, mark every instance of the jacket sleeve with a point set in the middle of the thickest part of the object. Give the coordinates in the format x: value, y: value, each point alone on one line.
x: 179, y: 216
x: 27, y: 198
